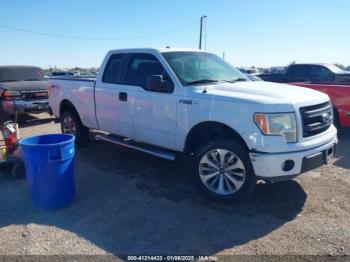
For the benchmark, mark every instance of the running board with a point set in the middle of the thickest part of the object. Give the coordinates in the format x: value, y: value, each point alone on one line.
x: 152, y: 150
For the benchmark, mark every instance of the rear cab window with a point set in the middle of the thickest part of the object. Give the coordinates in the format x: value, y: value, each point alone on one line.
x: 113, y: 70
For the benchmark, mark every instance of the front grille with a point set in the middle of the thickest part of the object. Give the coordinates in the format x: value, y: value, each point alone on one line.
x: 316, y: 119
x: 37, y: 95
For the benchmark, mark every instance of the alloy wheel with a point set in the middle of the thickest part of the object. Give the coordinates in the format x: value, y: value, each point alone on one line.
x: 222, y: 171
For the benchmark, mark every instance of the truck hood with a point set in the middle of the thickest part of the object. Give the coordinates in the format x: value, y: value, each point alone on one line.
x: 25, y: 85
x: 260, y: 92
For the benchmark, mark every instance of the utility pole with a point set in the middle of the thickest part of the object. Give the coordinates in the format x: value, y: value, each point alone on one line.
x: 223, y: 55
x: 200, y: 31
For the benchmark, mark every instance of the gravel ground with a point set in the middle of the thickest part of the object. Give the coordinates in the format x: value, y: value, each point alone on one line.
x: 131, y: 203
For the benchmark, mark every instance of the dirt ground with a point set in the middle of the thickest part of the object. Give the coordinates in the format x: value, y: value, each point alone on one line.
x: 129, y: 203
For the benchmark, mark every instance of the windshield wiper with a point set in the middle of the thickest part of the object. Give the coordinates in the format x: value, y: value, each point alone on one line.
x: 202, y: 81
x: 236, y: 80
x: 33, y: 79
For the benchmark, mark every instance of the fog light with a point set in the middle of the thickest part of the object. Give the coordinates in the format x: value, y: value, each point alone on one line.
x: 288, y: 165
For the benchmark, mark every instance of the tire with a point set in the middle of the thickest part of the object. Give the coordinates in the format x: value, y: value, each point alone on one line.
x: 18, y: 170
x: 336, y: 120
x: 71, y: 124
x: 234, y: 180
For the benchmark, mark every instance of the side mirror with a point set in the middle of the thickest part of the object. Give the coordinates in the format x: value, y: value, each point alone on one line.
x: 157, y: 83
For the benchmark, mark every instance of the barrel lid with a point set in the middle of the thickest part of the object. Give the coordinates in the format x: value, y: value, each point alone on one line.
x: 47, y: 140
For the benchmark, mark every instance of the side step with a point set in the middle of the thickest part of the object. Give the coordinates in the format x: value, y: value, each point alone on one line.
x: 126, y: 142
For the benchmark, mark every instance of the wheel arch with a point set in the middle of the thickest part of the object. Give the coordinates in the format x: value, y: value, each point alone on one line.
x: 67, y: 105
x: 336, y: 116
x: 206, y: 130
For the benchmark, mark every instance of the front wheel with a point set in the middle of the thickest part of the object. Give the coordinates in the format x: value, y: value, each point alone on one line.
x: 223, y: 171
x: 71, y: 124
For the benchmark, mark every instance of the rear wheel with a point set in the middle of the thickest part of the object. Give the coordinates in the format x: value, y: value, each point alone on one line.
x: 223, y: 171
x: 71, y: 124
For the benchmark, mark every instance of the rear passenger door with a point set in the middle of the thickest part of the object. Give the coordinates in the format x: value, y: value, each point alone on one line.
x: 153, y: 113
x: 107, y: 94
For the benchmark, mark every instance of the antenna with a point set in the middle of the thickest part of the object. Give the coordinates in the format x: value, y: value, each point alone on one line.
x: 200, y: 31
x: 205, y: 49
x: 205, y: 35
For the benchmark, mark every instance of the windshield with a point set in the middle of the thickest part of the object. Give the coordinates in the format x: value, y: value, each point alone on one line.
x: 198, y: 67
x: 335, y: 69
x: 17, y: 73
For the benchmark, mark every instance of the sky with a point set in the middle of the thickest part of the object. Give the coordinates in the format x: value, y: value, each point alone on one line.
x: 256, y: 32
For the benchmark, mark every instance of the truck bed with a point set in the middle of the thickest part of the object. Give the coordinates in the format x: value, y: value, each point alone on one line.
x: 81, y: 95
x: 73, y: 78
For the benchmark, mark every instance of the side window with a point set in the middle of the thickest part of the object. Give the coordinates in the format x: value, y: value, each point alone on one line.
x: 299, y: 73
x: 140, y: 67
x: 321, y: 74
x: 113, y: 69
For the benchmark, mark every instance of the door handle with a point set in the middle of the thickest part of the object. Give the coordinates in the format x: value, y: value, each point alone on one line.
x: 123, y: 96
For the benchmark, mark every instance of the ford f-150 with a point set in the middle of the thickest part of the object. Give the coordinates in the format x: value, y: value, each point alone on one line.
x: 170, y: 101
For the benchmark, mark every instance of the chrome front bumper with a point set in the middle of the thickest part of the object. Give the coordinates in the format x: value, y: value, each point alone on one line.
x: 23, y: 107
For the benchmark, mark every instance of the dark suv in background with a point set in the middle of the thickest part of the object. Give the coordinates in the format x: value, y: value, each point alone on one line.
x: 23, y: 89
x: 320, y: 73
x: 326, y: 78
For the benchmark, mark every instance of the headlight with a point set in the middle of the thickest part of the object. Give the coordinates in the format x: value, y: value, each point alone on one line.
x: 11, y: 95
x: 278, y: 124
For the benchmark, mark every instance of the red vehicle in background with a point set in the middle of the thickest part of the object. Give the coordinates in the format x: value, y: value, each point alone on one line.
x: 326, y: 78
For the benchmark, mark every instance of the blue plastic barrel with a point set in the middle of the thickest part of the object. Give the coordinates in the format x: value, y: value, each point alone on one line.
x: 49, y: 165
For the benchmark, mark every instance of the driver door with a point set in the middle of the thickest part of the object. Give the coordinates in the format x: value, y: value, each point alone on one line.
x: 153, y: 113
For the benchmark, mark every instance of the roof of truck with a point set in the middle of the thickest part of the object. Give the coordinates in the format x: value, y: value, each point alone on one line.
x: 320, y: 64
x: 161, y: 50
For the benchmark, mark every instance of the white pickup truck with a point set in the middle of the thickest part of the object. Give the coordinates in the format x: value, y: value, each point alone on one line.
x: 236, y: 131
